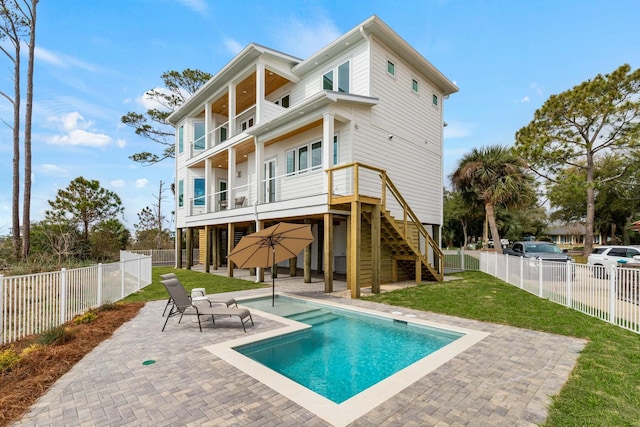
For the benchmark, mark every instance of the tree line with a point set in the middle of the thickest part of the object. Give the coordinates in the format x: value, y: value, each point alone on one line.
x: 580, y: 155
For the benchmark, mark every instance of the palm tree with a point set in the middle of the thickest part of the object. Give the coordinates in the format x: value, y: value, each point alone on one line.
x: 493, y: 176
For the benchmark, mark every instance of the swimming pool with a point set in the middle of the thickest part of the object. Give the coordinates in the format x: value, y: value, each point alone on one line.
x: 337, y: 414
x: 344, y: 352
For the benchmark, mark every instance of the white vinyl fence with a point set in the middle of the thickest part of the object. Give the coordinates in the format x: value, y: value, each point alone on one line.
x: 166, y: 257
x: 35, y: 303
x: 611, y: 294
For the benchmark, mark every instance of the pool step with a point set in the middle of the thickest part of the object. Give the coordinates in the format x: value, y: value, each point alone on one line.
x: 315, y: 317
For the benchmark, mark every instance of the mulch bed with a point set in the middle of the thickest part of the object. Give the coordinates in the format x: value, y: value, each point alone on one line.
x: 41, y: 366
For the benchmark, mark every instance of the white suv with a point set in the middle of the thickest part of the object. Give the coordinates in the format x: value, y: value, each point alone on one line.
x: 606, y: 256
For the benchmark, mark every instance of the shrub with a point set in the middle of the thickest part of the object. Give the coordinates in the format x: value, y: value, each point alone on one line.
x: 8, y: 359
x: 56, y: 336
x: 108, y: 306
x: 88, y: 317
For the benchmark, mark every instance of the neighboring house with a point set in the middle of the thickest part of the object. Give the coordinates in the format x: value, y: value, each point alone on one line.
x: 569, y: 235
x: 349, y: 140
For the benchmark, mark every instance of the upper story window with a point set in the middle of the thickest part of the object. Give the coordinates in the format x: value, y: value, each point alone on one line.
x: 180, y: 193
x: 337, y: 79
x: 198, y: 191
x: 299, y: 161
x: 284, y: 101
x: 435, y: 100
x: 391, y: 68
x: 246, y: 124
x: 414, y: 85
x: 198, y: 136
x: 180, y: 139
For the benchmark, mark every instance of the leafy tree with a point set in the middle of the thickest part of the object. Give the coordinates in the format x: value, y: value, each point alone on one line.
x: 597, y: 117
x: 107, y: 238
x: 148, y: 234
x: 17, y: 21
x: 179, y: 86
x: 84, y: 203
x: 495, y: 176
x: 461, y: 216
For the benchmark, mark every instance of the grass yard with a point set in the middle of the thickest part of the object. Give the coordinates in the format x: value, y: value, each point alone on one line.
x: 191, y: 279
x: 604, y: 387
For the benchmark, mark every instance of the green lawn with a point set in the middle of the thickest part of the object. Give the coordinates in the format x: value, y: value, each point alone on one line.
x: 604, y: 387
x: 191, y: 279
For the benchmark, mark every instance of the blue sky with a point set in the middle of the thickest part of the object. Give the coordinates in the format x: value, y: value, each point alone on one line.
x: 95, y: 59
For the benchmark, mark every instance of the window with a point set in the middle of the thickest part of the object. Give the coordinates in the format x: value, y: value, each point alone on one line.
x: 303, y: 158
x: 223, y: 134
x: 435, y: 100
x: 414, y: 85
x: 341, y: 84
x: 316, y: 155
x: 343, y: 77
x: 335, y: 150
x: 180, y: 193
x: 284, y: 101
x: 291, y: 162
x: 198, y: 192
x: 246, y: 124
x: 391, y: 68
x: 198, y: 136
x: 180, y: 139
x: 327, y: 81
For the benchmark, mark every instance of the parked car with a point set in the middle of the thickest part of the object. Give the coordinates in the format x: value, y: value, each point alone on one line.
x: 503, y: 242
x: 545, y: 251
x: 604, y: 257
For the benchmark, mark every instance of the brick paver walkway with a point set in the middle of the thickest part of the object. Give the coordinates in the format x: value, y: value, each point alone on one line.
x: 505, y: 380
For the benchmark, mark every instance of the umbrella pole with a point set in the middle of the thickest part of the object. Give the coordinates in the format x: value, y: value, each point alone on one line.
x: 273, y: 276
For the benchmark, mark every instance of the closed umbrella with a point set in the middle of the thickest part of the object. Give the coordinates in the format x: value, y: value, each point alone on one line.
x: 270, y: 246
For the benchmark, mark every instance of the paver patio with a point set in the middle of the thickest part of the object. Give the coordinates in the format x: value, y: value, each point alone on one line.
x: 506, y: 379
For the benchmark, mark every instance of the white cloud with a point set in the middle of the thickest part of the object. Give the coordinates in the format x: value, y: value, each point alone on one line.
x: 76, y: 131
x: 199, y: 6
x: 149, y: 103
x: 312, y: 32
x: 537, y: 88
x: 118, y: 183
x: 52, y: 170
x: 234, y: 47
x: 525, y: 99
x: 121, y: 143
x: 141, y: 182
x: 457, y: 130
x: 62, y: 60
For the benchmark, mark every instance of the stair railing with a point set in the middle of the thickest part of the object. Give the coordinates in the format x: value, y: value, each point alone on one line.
x: 387, y: 190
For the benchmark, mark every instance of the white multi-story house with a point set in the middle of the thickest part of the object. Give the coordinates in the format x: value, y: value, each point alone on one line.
x: 349, y: 140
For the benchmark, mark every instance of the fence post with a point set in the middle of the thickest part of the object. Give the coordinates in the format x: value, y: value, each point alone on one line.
x: 99, y: 284
x: 122, y: 276
x: 612, y: 294
x: 569, y: 277
x: 506, y: 268
x: 540, y: 281
x: 63, y: 295
x: 139, y: 270
x: 462, y: 259
x: 521, y: 272
x: 495, y: 258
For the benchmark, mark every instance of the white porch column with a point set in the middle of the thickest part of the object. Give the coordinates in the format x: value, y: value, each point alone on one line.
x: 259, y: 170
x: 232, y: 110
x: 231, y: 177
x: 209, y: 185
x: 327, y: 146
x: 259, y: 91
x: 208, y: 125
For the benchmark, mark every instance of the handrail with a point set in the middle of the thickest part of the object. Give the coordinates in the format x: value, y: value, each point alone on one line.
x: 408, y: 213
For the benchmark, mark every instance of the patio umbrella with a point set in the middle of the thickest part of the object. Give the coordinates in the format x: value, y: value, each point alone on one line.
x: 270, y: 246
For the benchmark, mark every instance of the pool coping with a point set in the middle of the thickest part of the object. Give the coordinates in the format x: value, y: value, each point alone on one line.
x: 358, y: 405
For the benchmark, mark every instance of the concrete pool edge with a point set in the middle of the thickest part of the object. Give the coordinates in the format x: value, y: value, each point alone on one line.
x: 355, y: 407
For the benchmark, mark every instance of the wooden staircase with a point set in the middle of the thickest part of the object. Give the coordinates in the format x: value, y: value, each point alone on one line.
x: 404, y: 238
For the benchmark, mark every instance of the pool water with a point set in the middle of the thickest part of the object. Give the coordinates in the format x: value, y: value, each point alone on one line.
x: 344, y: 352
